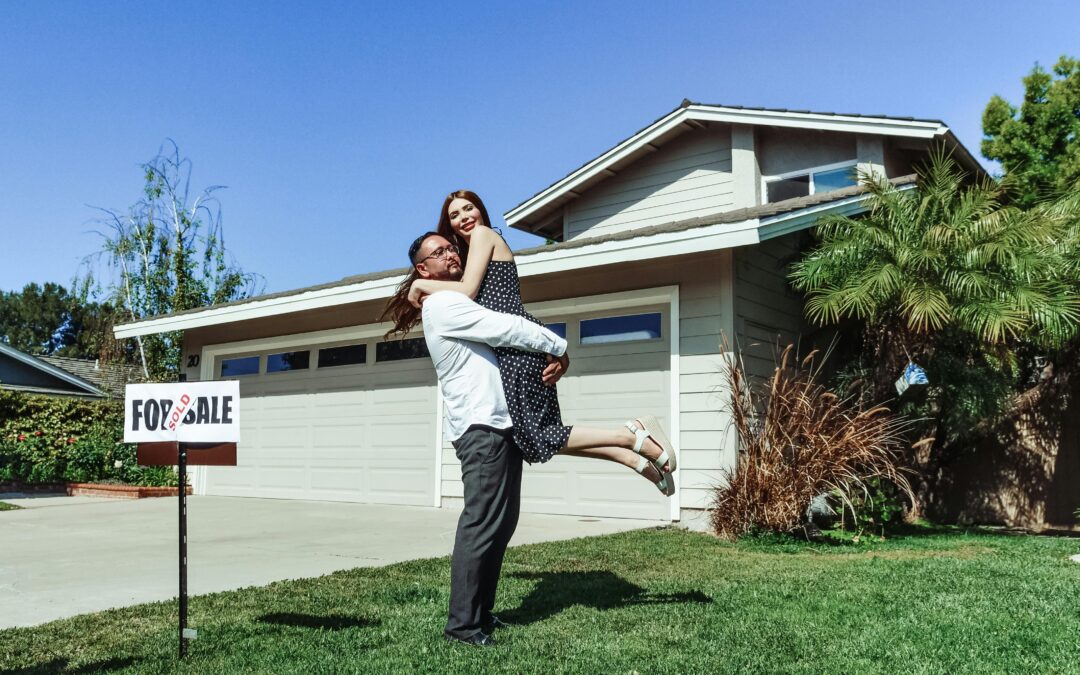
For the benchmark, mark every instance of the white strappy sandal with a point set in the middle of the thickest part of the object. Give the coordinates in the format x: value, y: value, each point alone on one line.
x: 666, y: 484
x: 649, y: 427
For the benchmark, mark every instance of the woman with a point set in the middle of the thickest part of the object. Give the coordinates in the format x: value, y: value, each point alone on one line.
x: 490, y: 277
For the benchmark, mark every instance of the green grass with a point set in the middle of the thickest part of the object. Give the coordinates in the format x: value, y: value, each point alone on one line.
x: 4, y: 506
x: 932, y: 600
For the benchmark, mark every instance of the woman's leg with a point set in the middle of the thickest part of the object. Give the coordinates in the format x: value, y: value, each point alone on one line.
x: 614, y: 445
x: 627, y: 458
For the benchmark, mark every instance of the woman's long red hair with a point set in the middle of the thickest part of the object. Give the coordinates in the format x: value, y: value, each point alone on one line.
x: 398, y: 308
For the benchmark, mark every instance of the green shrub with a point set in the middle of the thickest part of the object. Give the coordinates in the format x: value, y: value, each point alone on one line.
x: 878, y: 506
x: 46, y: 440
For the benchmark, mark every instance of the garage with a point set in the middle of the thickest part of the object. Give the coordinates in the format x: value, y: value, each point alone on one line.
x: 342, y: 415
x: 324, y: 423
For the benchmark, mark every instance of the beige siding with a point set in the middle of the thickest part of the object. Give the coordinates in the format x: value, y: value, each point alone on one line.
x: 768, y: 311
x: 686, y: 178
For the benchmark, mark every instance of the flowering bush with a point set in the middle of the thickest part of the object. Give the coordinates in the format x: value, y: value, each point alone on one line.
x: 47, y: 440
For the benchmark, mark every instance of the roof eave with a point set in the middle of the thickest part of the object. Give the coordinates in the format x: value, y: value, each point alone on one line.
x: 519, y: 216
x: 51, y: 370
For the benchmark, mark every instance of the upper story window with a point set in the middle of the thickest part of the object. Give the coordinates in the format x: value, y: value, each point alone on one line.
x: 557, y: 328
x: 809, y: 181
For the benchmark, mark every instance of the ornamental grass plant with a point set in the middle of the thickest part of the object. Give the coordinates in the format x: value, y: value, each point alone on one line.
x: 797, y: 440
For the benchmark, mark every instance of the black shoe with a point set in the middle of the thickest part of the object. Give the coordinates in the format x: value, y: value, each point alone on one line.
x: 480, y: 639
x: 495, y: 622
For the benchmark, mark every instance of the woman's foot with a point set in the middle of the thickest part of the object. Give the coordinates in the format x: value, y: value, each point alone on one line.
x: 650, y: 445
x: 663, y: 481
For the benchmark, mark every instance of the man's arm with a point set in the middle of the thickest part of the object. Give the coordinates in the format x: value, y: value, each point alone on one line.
x: 453, y: 315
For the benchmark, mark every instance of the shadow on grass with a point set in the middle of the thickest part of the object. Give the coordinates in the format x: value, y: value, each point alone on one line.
x: 558, y: 591
x: 60, y: 666
x: 331, y: 622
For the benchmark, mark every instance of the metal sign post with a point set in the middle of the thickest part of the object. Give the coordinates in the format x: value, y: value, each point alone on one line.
x: 168, y: 421
x: 181, y: 452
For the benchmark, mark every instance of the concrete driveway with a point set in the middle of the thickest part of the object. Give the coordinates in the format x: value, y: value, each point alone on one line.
x: 63, y: 556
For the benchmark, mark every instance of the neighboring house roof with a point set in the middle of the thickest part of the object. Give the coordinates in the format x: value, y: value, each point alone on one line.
x: 75, y: 386
x: 726, y: 229
x: 109, y: 377
x: 531, y: 214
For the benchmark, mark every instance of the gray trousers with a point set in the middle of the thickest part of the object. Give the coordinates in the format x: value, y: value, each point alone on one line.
x: 491, y: 472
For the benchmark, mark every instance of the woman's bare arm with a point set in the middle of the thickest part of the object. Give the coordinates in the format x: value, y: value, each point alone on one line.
x: 481, y: 250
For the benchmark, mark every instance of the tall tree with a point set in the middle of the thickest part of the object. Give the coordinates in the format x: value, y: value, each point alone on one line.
x: 1038, y: 144
x: 50, y: 320
x: 167, y: 254
x: 36, y: 319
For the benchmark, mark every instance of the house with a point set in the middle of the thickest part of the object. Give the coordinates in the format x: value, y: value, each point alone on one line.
x: 22, y: 372
x: 669, y: 248
x: 109, y: 377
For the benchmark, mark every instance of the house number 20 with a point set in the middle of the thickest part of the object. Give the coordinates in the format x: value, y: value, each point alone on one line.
x: 193, y: 361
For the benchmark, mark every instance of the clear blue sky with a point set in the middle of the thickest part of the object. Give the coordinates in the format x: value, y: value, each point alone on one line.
x: 338, y: 127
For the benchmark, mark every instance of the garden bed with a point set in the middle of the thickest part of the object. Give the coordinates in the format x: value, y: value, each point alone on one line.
x: 118, y: 491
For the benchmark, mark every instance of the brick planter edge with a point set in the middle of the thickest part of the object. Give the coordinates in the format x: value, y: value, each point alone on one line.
x: 121, y: 491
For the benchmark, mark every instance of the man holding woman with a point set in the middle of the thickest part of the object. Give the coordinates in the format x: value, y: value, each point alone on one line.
x: 497, y: 367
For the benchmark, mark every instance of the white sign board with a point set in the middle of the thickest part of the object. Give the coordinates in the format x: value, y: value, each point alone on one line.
x: 190, y: 412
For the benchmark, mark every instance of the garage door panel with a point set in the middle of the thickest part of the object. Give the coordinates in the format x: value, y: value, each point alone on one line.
x: 619, y: 384
x: 391, y: 434
x: 282, y: 477
x: 338, y: 479
x: 399, y: 482
x: 331, y: 436
x: 362, y: 434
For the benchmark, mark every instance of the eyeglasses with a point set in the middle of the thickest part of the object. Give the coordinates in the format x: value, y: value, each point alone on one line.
x: 441, y: 253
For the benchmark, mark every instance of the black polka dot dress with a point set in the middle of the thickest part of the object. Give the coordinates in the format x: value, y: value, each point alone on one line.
x: 534, y: 407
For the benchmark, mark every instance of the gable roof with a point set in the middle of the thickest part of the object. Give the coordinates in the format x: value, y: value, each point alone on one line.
x: 534, y: 213
x: 109, y: 377
x: 726, y: 229
x: 80, y: 387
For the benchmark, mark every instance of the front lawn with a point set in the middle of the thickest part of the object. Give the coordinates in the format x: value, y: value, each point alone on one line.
x: 4, y: 506
x: 650, y: 601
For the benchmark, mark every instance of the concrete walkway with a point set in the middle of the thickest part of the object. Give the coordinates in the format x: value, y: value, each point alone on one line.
x: 63, y: 556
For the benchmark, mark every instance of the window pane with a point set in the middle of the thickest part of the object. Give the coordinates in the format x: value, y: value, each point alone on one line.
x: 621, y: 328
x: 248, y: 365
x: 834, y: 180
x: 342, y: 356
x: 558, y: 328
x: 277, y: 363
x: 397, y: 350
x: 788, y: 188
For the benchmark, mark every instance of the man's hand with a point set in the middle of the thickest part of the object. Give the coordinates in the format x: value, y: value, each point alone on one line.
x: 557, y: 366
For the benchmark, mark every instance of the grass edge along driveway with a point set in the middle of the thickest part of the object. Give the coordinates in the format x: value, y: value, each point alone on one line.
x: 662, y: 600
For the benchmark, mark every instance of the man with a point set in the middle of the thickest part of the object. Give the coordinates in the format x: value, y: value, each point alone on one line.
x: 460, y: 335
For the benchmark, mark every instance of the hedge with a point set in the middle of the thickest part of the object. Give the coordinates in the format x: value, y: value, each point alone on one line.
x: 46, y: 439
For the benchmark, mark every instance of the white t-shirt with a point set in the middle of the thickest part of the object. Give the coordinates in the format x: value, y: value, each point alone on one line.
x: 460, y: 335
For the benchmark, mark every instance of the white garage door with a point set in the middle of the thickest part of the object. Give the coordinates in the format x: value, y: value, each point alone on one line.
x: 361, y: 433
x: 616, y: 372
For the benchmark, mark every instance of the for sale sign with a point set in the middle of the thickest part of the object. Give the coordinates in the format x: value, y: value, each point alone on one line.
x: 188, y: 412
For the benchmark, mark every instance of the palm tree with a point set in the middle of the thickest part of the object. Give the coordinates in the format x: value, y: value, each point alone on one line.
x: 947, y: 260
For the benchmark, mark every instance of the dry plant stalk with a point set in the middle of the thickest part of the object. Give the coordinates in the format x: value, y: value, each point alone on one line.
x: 803, y: 442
